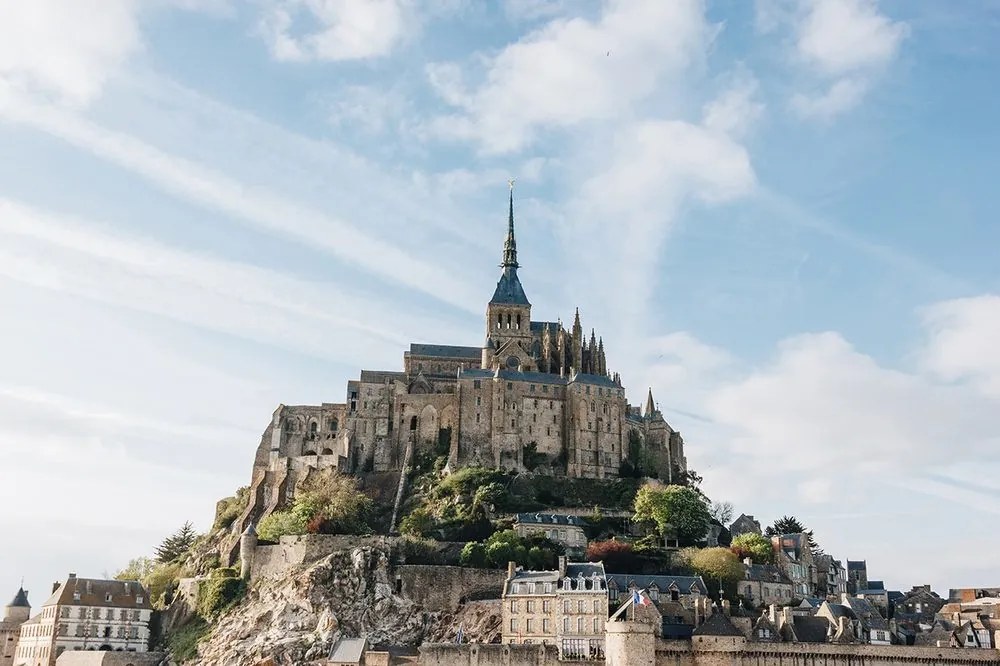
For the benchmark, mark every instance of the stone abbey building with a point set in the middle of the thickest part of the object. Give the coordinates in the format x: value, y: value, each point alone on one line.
x: 535, y: 396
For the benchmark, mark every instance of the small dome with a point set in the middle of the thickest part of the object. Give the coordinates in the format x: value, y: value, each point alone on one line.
x: 20, y: 599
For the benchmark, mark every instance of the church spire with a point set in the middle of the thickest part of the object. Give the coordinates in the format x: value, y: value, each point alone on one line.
x: 650, y: 407
x: 510, y: 245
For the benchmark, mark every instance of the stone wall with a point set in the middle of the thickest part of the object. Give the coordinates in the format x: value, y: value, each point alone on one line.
x: 442, y: 588
x: 92, y: 658
x: 493, y: 655
x: 275, y: 560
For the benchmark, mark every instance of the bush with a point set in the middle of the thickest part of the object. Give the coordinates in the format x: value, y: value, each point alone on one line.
x: 466, y: 480
x: 618, y: 556
x: 217, y: 595
x: 225, y: 572
x: 473, y: 555
x: 230, y: 508
x: 418, y: 551
x: 418, y: 523
x: 281, y: 523
x: 756, y: 547
x: 332, y: 504
x: 183, y: 643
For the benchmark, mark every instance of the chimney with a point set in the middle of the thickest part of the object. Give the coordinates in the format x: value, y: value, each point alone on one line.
x: 511, y: 569
x: 72, y: 575
x: 786, y: 616
x: 747, y: 561
x: 55, y: 586
x: 562, y: 566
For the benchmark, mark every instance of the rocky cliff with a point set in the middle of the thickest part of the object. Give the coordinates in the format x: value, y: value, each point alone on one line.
x: 296, y: 618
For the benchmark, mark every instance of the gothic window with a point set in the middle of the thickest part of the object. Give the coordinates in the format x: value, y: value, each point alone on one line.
x: 508, y: 320
x: 477, y: 384
x: 313, y: 427
x: 333, y: 425
x: 519, y: 322
x: 413, y: 423
x: 512, y: 364
x: 499, y: 321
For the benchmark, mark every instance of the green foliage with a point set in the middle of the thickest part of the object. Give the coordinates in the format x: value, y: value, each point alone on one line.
x: 675, y: 509
x: 332, y: 504
x: 492, y: 494
x: 218, y: 594
x: 412, y: 550
x: 791, y: 525
x: 183, y: 643
x: 716, y: 565
x: 225, y: 572
x: 754, y: 546
x: 280, y: 523
x: 418, y: 523
x: 530, y: 456
x: 177, y: 544
x: 466, y: 481
x: 473, y: 555
x: 137, y: 569
x: 231, y: 508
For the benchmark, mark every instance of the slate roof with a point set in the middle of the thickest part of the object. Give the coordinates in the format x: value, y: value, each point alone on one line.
x: 574, y: 570
x: 539, y: 326
x: 509, y: 290
x: 446, y: 351
x: 840, y: 610
x: 663, y: 583
x: 550, y: 519
x: 93, y: 592
x: 765, y: 573
x: 20, y: 599
x: 867, y: 613
x: 813, y: 602
x: 379, y: 376
x: 856, y: 565
x: 536, y: 377
x: 810, y: 629
x: 874, y: 587
x: 348, y: 650
x: 599, y: 380
x: 717, y: 625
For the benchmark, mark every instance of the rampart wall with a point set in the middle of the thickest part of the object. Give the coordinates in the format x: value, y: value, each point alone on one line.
x: 444, y: 588
x: 275, y: 560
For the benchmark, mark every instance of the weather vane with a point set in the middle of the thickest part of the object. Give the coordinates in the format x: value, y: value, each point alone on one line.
x: 511, y: 183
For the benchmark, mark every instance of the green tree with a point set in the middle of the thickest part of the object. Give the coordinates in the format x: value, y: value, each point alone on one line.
x: 137, y: 569
x: 754, y: 546
x: 717, y: 564
x: 490, y: 495
x: 418, y: 522
x: 176, y: 544
x: 331, y: 503
x: 791, y: 525
x: 677, y: 509
x: 473, y: 555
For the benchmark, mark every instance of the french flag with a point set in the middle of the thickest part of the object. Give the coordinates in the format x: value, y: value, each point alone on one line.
x: 640, y: 599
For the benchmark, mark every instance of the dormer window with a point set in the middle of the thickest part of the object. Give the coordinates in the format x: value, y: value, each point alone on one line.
x: 139, y: 600
x: 107, y: 597
x: 76, y: 596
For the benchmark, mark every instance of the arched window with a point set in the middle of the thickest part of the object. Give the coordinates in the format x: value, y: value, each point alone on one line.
x: 519, y: 322
x: 413, y: 423
x: 313, y: 427
x: 333, y: 425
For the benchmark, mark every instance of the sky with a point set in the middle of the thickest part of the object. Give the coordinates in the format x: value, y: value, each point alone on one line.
x: 780, y: 215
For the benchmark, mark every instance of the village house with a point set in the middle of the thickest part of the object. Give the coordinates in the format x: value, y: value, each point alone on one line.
x: 567, y: 608
x: 794, y: 558
x: 86, y: 614
x: 978, y: 633
x: 865, y: 622
x: 857, y: 576
x: 682, y: 601
x: 565, y: 530
x: 744, y: 525
x: 877, y: 595
x: 764, y: 584
x: 831, y: 576
x: 960, y: 594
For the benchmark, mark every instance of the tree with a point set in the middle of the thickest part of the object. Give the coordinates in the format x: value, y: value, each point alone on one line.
x: 717, y: 564
x: 791, y: 525
x: 617, y: 555
x: 676, y: 509
x: 473, y: 555
x: 754, y: 546
x: 418, y: 523
x: 137, y: 569
x: 722, y: 512
x: 176, y: 544
x: 332, y: 504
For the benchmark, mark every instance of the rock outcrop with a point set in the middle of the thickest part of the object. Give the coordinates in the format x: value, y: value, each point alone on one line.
x: 297, y: 618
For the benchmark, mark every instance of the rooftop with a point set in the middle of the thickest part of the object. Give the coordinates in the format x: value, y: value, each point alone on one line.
x: 446, y: 351
x: 96, y: 592
x: 685, y: 584
x: 348, y: 650
x: 550, y: 519
x: 20, y: 599
x: 509, y: 290
x: 717, y: 625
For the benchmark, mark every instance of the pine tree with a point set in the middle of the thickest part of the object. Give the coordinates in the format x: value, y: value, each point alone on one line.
x: 176, y: 544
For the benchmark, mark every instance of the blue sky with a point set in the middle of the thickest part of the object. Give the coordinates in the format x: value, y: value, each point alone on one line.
x: 777, y: 214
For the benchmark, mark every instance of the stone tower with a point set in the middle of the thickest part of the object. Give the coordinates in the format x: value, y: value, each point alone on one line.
x: 248, y: 546
x: 15, y: 614
x: 508, y: 315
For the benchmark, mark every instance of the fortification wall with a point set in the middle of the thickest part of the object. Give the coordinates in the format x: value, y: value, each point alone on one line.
x: 292, y: 551
x: 92, y: 658
x: 443, y: 588
x: 494, y: 655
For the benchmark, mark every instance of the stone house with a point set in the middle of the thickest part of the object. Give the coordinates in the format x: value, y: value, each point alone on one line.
x: 978, y: 633
x: 565, y: 530
x: 961, y: 594
x: 15, y: 614
x: 794, y: 558
x: 744, y: 525
x: 917, y: 607
x: 877, y: 595
x: 764, y: 584
x: 831, y: 576
x: 86, y: 614
x: 566, y: 608
x: 869, y: 624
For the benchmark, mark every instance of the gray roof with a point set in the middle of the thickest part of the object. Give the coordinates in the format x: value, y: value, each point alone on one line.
x: 573, y: 570
x: 856, y: 565
x: 20, y: 599
x: 539, y: 326
x: 867, y: 613
x: 810, y: 629
x: 717, y: 625
x: 600, y: 380
x: 550, y: 519
x: 876, y: 586
x: 379, y: 376
x: 663, y: 583
x: 840, y: 610
x: 446, y: 351
x: 348, y: 650
x: 509, y: 290
x: 765, y: 573
x: 536, y: 377
x: 813, y: 602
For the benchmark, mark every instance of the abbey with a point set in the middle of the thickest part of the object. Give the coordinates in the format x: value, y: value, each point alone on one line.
x: 534, y: 397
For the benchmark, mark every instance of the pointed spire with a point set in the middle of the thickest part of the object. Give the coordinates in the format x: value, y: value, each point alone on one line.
x: 510, y: 245
x: 650, y: 406
x: 576, y: 320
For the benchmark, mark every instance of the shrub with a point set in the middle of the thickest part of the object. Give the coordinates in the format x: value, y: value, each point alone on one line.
x: 217, y: 595
x: 756, y: 547
x: 230, y: 508
x: 279, y: 524
x: 618, y: 556
x: 225, y: 572
x: 418, y: 551
x: 466, y: 480
x: 418, y: 523
x: 473, y: 555
x: 183, y: 643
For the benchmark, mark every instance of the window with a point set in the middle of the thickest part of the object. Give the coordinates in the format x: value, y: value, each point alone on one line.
x: 513, y: 606
x: 110, y: 615
x: 597, y: 625
x: 477, y: 418
x: 413, y: 423
x: 579, y: 625
x: 546, y: 606
x: 513, y: 624
x: 546, y: 626
x: 597, y: 605
x: 532, y: 389
x: 580, y: 607
x: 510, y: 386
x: 530, y: 606
x: 477, y: 384
x: 548, y: 589
x: 566, y: 606
x: 479, y: 400
x: 123, y: 614
x: 545, y: 389
x: 515, y: 588
x: 64, y: 612
x: 565, y: 625
x: 107, y: 597
x: 528, y: 628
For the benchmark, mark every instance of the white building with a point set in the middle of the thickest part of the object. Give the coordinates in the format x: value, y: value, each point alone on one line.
x: 86, y: 614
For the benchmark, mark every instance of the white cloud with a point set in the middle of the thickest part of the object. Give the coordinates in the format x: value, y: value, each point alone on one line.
x: 843, y: 45
x: 571, y: 71
x: 737, y: 108
x: 337, y: 30
x: 65, y: 49
x: 963, y: 341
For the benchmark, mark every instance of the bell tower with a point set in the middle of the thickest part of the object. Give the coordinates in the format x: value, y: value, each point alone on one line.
x: 508, y: 315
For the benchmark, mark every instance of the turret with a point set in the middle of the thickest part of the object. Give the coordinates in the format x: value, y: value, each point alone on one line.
x: 18, y: 610
x: 577, y: 343
x: 248, y: 547
x: 650, y: 406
